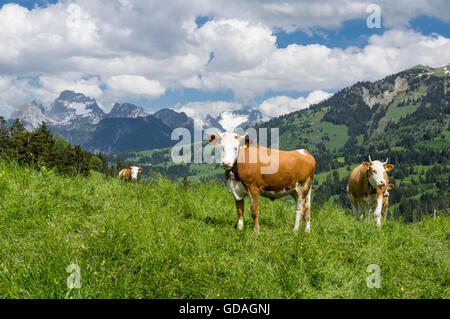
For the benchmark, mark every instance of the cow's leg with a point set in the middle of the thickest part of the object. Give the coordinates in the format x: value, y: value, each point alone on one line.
x: 307, y: 212
x: 298, y: 210
x: 352, y: 200
x: 361, y: 208
x: 254, y: 198
x: 240, y: 211
x: 385, y: 210
x: 303, y: 204
x: 377, y: 212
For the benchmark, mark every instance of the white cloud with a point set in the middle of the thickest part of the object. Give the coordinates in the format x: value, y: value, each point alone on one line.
x: 236, y: 44
x: 198, y: 110
x: 57, y: 84
x: 135, y: 85
x: 139, y: 48
x: 278, y: 105
x: 312, y: 67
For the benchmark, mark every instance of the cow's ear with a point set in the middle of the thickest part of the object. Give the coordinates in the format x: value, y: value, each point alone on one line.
x: 367, y: 165
x: 244, y: 140
x: 247, y: 141
x: 390, y: 186
x: 388, y: 167
x: 214, y: 139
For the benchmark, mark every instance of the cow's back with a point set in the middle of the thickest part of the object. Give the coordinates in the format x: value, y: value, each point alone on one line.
x: 125, y: 174
x: 293, y: 167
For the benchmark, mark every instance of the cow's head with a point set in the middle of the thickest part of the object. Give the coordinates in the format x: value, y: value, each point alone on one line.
x: 229, y: 144
x: 377, y: 172
x: 135, y: 171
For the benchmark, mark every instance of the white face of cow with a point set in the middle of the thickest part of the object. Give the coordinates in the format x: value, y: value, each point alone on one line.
x: 377, y: 176
x: 229, y: 144
x: 135, y: 171
x: 377, y: 172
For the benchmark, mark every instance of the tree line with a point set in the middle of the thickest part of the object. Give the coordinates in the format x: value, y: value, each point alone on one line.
x: 42, y: 148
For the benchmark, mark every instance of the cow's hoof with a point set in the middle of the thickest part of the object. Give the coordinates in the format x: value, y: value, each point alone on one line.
x: 240, y: 225
x: 256, y: 229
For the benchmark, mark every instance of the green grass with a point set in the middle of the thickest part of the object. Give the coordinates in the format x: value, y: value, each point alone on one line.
x: 159, y: 240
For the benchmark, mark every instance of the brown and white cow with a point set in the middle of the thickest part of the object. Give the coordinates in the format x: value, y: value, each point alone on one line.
x: 367, y: 189
x: 130, y: 173
x: 247, y: 174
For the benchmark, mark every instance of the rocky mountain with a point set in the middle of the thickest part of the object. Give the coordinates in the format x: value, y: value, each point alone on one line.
x: 174, y: 119
x: 357, y: 114
x: 210, y: 121
x: 71, y: 106
x: 231, y: 120
x: 127, y: 110
x: 246, y: 117
x: 32, y: 114
x: 121, y: 134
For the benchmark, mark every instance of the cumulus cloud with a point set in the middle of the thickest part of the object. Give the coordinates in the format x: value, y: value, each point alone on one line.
x: 280, y: 105
x: 139, y: 49
x: 135, y: 85
x: 312, y: 67
x: 198, y: 110
x: 57, y: 84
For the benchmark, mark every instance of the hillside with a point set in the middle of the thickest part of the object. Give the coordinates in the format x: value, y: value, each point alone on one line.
x: 405, y: 116
x: 356, y: 114
x: 161, y: 240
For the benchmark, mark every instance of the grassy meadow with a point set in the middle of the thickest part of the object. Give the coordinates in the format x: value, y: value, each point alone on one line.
x: 156, y: 239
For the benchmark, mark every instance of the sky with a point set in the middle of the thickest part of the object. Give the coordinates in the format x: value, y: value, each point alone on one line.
x: 205, y: 57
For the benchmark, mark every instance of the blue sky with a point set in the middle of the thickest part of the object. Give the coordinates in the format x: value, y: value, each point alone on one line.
x: 188, y: 56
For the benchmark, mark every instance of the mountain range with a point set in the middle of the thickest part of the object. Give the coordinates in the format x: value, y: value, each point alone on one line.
x: 80, y: 120
x: 351, y: 117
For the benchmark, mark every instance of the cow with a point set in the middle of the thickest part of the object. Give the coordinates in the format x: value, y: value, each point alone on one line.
x: 130, y: 173
x: 368, y: 189
x: 247, y: 175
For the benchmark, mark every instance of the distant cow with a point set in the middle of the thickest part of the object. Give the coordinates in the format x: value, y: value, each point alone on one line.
x: 367, y: 189
x: 246, y: 176
x: 130, y: 173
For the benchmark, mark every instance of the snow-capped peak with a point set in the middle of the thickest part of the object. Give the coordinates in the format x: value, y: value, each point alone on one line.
x: 230, y: 121
x: 70, y: 105
x: 32, y: 114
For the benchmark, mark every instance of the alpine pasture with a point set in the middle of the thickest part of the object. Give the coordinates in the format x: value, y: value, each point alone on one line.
x: 157, y: 239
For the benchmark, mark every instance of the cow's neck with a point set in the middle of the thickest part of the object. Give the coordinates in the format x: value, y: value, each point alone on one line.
x: 235, y: 172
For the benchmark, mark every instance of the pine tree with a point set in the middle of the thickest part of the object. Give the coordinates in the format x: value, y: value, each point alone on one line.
x: 17, y: 146
x: 119, y: 164
x: 95, y: 163
x: 4, y: 137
